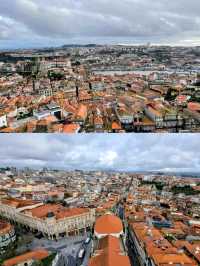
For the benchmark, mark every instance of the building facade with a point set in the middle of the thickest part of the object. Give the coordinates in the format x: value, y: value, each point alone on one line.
x: 53, y: 221
x: 7, y: 234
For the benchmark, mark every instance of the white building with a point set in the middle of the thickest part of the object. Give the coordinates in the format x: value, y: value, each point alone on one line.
x: 3, y: 121
x: 51, y: 220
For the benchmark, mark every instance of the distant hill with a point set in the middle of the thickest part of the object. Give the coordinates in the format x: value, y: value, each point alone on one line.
x: 80, y: 45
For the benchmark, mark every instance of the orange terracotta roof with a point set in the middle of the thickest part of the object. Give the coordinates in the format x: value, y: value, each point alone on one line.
x: 110, y: 242
x: 84, y: 95
x: 18, y: 203
x: 5, y: 228
x: 31, y: 126
x: 158, y: 248
x: 71, y: 128
x: 33, y: 255
x: 58, y: 128
x: 69, y: 107
x: 116, y: 126
x: 58, y: 210
x: 42, y: 211
x: 71, y: 212
x: 109, y: 254
x: 82, y: 112
x: 193, y: 106
x: 98, y: 120
x: 144, y: 232
x: 181, y: 225
x: 181, y: 98
x: 172, y: 259
x: 179, y: 243
x: 193, y: 249
x: 108, y: 224
x: 50, y: 119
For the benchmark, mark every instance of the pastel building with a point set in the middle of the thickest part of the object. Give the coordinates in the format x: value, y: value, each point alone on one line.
x: 52, y: 220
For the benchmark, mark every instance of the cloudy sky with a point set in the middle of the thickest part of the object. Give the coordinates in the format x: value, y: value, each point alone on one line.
x: 26, y: 23
x: 106, y: 152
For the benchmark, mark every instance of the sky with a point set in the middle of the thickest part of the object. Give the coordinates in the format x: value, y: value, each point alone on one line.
x: 119, y: 152
x: 35, y: 23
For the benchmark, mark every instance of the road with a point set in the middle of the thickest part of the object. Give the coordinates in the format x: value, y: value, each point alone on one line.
x: 68, y: 256
x: 66, y: 248
x: 88, y: 249
x: 53, y: 245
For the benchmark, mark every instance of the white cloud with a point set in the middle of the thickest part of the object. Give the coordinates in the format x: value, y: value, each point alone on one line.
x: 108, y: 158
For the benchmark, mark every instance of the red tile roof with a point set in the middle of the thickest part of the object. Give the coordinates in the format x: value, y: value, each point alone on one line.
x: 5, y: 228
x: 116, y: 126
x: 82, y: 112
x: 58, y: 210
x: 108, y: 224
x: 172, y: 259
x: 98, y: 120
x: 194, y: 106
x: 33, y: 255
x: 109, y: 253
x: 71, y: 128
x: 18, y: 203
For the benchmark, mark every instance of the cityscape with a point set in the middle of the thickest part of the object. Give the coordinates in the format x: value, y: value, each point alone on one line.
x: 101, y: 89
x: 100, y: 124
x: 52, y: 216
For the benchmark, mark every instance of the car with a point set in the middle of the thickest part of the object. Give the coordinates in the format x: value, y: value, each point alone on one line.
x: 87, y: 241
x: 81, y: 253
x: 39, y: 235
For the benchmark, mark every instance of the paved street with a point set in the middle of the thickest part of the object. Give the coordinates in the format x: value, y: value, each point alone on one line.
x: 87, y: 254
x: 67, y: 249
x: 68, y: 256
x: 54, y: 245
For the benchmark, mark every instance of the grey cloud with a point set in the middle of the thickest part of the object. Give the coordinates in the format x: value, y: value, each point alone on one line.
x: 64, y: 19
x: 117, y: 152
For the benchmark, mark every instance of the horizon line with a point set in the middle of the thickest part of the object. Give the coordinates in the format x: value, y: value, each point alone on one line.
x: 60, y: 46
